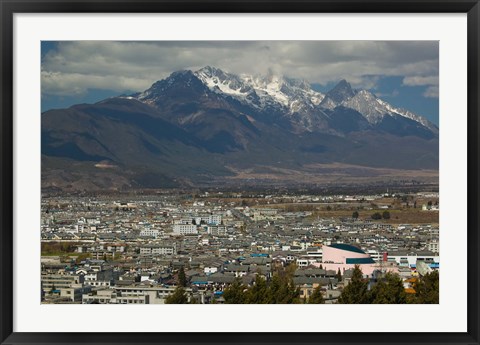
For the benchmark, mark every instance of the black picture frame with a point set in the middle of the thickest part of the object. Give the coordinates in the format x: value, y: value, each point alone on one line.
x: 9, y: 7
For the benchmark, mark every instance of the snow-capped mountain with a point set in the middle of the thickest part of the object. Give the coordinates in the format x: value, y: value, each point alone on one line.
x: 288, y: 99
x: 293, y: 98
x: 339, y: 94
x: 259, y: 91
x: 296, y: 96
x: 366, y: 103
x: 201, y: 127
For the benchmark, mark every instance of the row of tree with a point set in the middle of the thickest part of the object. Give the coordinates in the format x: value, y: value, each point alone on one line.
x: 390, y: 290
x: 376, y: 215
x: 281, y: 290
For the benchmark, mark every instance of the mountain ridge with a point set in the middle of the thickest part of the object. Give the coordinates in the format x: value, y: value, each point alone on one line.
x: 196, y: 127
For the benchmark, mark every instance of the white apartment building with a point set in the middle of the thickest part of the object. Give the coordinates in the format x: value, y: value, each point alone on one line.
x: 170, y: 249
x: 150, y: 232
x: 217, y: 230
x: 215, y: 219
x: 185, y: 229
x: 410, y: 259
x: 433, y: 246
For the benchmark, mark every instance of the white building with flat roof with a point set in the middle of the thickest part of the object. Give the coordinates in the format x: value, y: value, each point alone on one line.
x: 150, y: 233
x: 185, y: 229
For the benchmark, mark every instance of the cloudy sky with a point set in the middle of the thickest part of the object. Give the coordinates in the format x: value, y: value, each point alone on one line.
x: 402, y: 73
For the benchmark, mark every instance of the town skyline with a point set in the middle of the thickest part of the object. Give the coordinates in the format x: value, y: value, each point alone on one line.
x: 239, y: 247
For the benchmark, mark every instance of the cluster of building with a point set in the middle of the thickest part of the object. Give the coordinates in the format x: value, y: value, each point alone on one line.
x: 131, y: 252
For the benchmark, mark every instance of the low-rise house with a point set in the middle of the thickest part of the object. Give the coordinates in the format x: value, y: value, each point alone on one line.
x: 106, y: 296
x: 145, y: 294
x: 158, y: 249
x: 61, y: 281
x: 74, y: 293
x: 237, y: 270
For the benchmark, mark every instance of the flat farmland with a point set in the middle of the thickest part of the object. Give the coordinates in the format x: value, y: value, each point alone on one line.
x: 409, y: 215
x: 400, y: 216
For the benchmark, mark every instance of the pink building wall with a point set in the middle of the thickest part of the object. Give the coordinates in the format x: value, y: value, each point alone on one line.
x: 340, y: 256
x: 366, y: 268
x: 335, y: 258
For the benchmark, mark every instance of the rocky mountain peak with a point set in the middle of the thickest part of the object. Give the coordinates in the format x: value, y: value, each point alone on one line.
x: 272, y: 93
x: 340, y: 93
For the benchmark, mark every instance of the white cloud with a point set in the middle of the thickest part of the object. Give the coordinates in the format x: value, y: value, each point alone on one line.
x: 431, y: 82
x: 419, y: 80
x: 431, y: 92
x: 74, y: 67
x: 394, y: 93
x: 364, y: 82
x: 75, y: 84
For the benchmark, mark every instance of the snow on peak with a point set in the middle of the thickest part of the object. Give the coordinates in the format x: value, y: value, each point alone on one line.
x: 218, y: 80
x: 293, y: 97
x: 374, y: 109
x: 258, y: 90
x: 368, y: 105
x: 409, y: 114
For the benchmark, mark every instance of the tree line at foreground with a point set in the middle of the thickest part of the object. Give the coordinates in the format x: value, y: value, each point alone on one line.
x: 280, y: 289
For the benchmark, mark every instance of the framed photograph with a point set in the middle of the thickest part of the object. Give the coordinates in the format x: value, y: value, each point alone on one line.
x: 239, y: 172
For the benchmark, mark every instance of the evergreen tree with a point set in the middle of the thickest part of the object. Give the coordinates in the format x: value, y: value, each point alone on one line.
x: 294, y: 294
x: 389, y: 290
x: 178, y: 297
x: 281, y: 289
x: 316, y: 297
x: 356, y: 292
x: 182, y: 278
x: 287, y: 293
x: 427, y: 289
x: 339, y: 275
x: 234, y: 294
x: 275, y: 291
x: 258, y: 292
